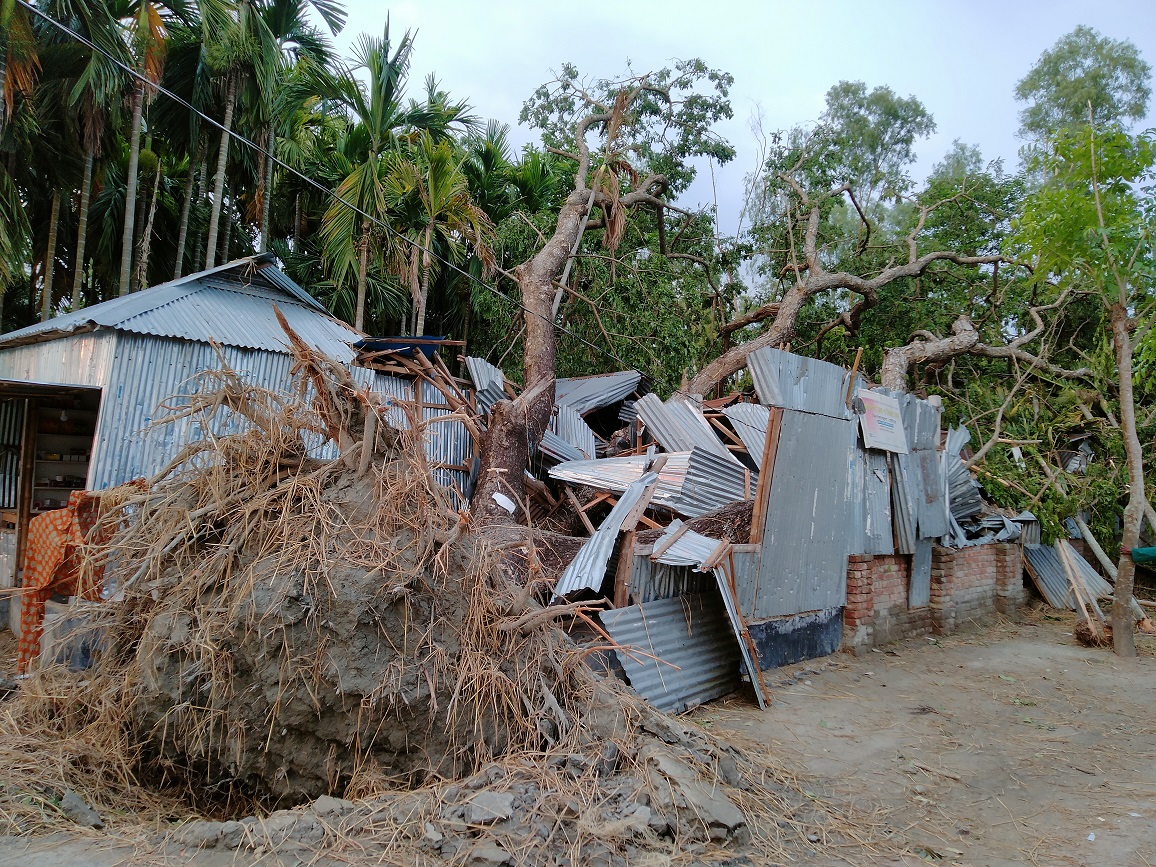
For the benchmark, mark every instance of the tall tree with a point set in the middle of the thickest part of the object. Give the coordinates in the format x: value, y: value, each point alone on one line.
x: 1091, y: 228
x: 1083, y: 68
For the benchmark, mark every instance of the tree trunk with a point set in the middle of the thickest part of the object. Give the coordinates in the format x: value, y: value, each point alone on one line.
x: 362, y: 274
x: 82, y: 228
x: 296, y: 222
x: 50, y: 259
x: 183, y: 232
x: 130, y: 192
x: 202, y: 189
x: 893, y: 374
x: 219, y: 182
x: 142, y: 267
x: 267, y: 190
x: 1123, y: 621
x: 515, y: 424
x: 423, y: 297
x: 227, y: 235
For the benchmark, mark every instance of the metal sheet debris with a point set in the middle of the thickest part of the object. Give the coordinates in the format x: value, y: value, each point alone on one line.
x: 489, y: 382
x: 870, y: 497
x: 691, y: 483
x: 677, y: 653
x: 584, y: 394
x: 799, y: 383
x: 1048, y: 574
x: 572, y: 428
x: 679, y: 426
x: 962, y: 491
x: 588, y: 569
x: 750, y: 422
x: 679, y: 545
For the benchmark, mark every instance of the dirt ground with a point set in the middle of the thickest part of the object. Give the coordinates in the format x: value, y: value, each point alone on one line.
x: 1008, y: 746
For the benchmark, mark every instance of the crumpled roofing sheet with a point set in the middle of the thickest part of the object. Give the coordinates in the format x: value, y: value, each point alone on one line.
x: 588, y: 568
x: 680, y: 426
x: 681, y: 546
x: 796, y: 382
x: 677, y: 653
x: 1050, y: 577
x: 488, y: 383
x: 584, y: 394
x: 691, y: 483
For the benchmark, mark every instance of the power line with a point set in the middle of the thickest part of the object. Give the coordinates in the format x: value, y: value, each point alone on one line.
x: 64, y: 28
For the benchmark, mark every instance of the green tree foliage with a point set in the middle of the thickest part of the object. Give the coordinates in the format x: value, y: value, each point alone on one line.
x: 1084, y: 68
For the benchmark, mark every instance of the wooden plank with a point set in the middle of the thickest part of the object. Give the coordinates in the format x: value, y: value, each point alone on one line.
x: 578, y: 508
x: 763, y: 489
x: 622, y: 573
x: 661, y: 549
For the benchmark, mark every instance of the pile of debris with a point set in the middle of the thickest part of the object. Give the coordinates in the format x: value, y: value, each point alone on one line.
x: 289, y: 632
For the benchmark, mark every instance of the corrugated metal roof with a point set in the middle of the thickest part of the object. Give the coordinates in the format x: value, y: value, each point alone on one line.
x: 679, y: 427
x: 750, y: 421
x: 588, y: 568
x: 1050, y: 577
x: 572, y: 428
x: 810, y: 515
x: 232, y: 305
x: 686, y: 655
x: 585, y: 394
x: 711, y: 482
x: 799, y: 383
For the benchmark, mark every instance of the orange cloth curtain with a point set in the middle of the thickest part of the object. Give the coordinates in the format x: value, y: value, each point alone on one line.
x: 54, y: 563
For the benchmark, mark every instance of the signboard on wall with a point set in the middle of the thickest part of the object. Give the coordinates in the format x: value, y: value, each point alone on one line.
x: 882, y: 422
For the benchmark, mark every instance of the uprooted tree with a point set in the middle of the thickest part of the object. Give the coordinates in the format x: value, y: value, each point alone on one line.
x: 649, y: 126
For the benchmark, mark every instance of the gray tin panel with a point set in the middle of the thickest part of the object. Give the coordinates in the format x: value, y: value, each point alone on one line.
x: 750, y: 421
x: 904, y: 503
x: 1052, y: 580
x: 932, y: 521
x: 809, y: 518
x: 919, y: 583
x: 572, y: 428
x: 448, y: 445
x: 11, y: 436
x: 687, y: 655
x: 679, y: 426
x: 799, y: 383
x: 584, y: 394
x: 871, y: 500
x: 79, y: 359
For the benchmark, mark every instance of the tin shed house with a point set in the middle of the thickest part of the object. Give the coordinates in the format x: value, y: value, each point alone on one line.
x: 79, y: 393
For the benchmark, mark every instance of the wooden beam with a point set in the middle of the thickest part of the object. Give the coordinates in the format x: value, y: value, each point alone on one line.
x: 578, y: 508
x: 766, y: 471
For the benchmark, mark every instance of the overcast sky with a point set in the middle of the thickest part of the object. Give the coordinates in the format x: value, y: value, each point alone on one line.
x: 962, y: 59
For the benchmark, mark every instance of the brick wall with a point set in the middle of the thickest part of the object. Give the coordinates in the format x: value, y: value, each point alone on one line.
x: 967, y: 584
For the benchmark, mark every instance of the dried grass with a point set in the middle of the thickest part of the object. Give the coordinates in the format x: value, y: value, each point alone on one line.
x: 243, y: 565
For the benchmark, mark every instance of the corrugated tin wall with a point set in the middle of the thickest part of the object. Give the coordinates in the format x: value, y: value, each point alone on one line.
x: 810, y: 518
x: 11, y: 432
x: 79, y: 359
